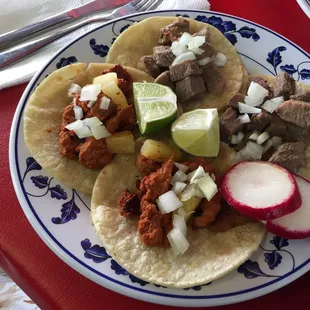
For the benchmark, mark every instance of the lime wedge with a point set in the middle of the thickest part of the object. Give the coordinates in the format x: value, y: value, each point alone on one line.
x: 197, y: 132
x: 156, y: 106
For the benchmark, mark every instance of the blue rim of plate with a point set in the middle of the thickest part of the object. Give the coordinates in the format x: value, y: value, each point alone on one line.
x: 14, y: 167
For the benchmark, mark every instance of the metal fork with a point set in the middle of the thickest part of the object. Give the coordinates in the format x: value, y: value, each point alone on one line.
x: 16, y: 53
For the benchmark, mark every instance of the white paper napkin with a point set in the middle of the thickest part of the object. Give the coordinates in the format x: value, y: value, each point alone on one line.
x: 19, y: 13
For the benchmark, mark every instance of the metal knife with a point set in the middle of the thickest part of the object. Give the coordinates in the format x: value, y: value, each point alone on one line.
x: 98, y: 5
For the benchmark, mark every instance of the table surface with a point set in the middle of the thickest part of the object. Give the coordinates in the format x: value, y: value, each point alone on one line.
x: 54, y: 285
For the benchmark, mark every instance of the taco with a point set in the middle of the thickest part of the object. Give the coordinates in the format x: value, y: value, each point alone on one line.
x: 142, y: 247
x: 57, y: 102
x: 279, y: 129
x: 191, y: 57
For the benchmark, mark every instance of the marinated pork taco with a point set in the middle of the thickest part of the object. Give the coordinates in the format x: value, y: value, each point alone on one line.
x: 193, y: 58
x: 79, y: 117
x: 134, y: 230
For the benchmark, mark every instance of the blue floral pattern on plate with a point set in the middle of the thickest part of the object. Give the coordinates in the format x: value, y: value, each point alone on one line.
x: 66, y: 61
x: 275, y: 59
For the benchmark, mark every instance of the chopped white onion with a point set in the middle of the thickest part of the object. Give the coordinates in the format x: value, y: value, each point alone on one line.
x: 178, y: 187
x: 234, y: 139
x: 188, y: 192
x: 240, y: 136
x: 256, y: 94
x: 198, y: 192
x: 92, y: 122
x: 75, y: 125
x: 168, y: 202
x: 78, y: 112
x: 100, y: 132
x: 177, y: 240
x: 276, y: 141
x: 272, y: 104
x: 213, y: 177
x: 196, y: 174
x: 74, y: 101
x: 254, y: 135
x: 267, y: 146
x: 195, y: 43
x: 184, y: 57
x: 251, y: 102
x: 244, y: 108
x: 185, y: 38
x: 252, y: 151
x: 75, y: 89
x: 83, y: 132
x: 181, y: 167
x: 262, y: 137
x: 244, y: 119
x: 104, y: 103
x: 179, y: 222
x: 204, y: 61
x: 198, y: 50
x: 90, y: 92
x: 207, y: 186
x: 91, y: 103
x: 178, y: 49
x: 220, y: 60
x: 179, y: 176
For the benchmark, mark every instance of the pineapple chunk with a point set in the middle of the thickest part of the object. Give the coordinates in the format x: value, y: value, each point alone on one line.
x: 158, y: 151
x: 112, y: 90
x: 189, y: 206
x: 121, y: 143
x: 103, y: 79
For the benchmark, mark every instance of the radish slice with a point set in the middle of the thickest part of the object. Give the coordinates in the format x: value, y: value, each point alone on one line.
x: 261, y: 190
x: 295, y: 225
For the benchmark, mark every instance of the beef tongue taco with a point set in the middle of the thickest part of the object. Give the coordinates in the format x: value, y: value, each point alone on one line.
x: 79, y: 117
x: 271, y: 123
x: 193, y: 58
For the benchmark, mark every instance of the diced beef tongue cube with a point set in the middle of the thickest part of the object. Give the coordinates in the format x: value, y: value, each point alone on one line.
x: 296, y: 112
x: 303, y: 95
x: 209, y: 51
x: 229, y: 124
x: 189, y: 88
x: 173, y: 31
x: 295, y: 133
x: 164, y: 79
x: 284, y: 85
x: 259, y: 121
x: 277, y: 126
x: 263, y: 83
x: 213, y: 79
x: 233, y: 102
x: 148, y: 65
x: 186, y: 68
x: 290, y: 155
x: 203, y: 32
x: 163, y: 56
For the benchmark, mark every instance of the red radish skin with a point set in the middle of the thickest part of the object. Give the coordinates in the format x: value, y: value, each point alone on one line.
x: 288, y: 205
x: 297, y: 224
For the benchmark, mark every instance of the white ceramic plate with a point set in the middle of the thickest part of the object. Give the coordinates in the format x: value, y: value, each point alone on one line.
x: 60, y: 215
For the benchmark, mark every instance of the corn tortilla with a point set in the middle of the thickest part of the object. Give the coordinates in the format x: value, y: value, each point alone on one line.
x: 43, y: 113
x: 210, y: 255
x: 139, y: 39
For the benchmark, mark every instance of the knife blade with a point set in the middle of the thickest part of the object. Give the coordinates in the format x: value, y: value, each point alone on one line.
x: 95, y: 6
x: 11, y: 37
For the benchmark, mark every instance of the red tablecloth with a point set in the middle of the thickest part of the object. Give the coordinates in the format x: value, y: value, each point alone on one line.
x: 54, y: 285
